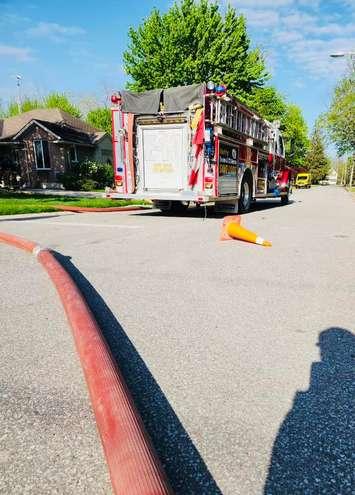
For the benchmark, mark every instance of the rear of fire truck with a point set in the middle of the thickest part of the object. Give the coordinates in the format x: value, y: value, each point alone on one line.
x: 171, y: 146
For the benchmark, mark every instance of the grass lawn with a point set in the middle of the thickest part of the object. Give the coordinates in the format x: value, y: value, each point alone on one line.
x: 16, y: 203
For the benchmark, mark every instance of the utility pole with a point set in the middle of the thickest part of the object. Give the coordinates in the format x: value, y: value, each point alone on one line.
x: 350, y: 58
x: 352, y: 161
x: 18, y: 84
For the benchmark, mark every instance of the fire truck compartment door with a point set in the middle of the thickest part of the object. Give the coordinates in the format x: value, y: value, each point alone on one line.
x: 163, y: 155
x: 228, y: 169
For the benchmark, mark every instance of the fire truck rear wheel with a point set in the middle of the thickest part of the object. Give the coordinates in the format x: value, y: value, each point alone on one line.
x: 171, y: 206
x: 284, y: 199
x: 246, y: 192
x: 179, y: 206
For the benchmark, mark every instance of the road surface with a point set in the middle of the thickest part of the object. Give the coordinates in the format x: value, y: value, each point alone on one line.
x: 48, y: 438
x: 238, y: 356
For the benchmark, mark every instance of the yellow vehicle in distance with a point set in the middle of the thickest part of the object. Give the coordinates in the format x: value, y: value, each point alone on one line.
x: 303, y: 180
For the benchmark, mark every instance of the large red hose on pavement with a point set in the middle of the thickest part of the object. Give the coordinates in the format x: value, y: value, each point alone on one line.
x: 133, y: 464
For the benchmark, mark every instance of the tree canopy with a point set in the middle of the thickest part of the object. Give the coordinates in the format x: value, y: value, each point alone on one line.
x: 340, y: 119
x: 316, y: 161
x: 26, y: 105
x: 190, y: 43
x: 60, y: 100
x: 295, y: 133
x: 194, y: 42
x: 52, y: 100
x: 100, y: 118
x: 268, y: 102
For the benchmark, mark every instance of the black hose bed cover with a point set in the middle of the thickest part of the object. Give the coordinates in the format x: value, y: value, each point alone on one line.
x: 174, y: 99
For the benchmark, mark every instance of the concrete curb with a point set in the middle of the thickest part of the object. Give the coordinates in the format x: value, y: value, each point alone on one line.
x: 81, y: 209
x: 133, y: 464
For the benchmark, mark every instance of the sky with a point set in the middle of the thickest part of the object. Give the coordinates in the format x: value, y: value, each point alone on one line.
x: 76, y: 47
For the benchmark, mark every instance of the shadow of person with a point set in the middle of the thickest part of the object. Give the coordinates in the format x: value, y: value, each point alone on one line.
x: 313, y: 449
x: 184, y: 466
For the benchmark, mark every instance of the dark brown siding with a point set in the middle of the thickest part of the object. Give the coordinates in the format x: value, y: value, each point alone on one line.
x: 59, y: 158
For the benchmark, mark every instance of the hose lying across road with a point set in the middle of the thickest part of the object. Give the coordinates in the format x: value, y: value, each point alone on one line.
x: 83, y: 209
x: 133, y: 464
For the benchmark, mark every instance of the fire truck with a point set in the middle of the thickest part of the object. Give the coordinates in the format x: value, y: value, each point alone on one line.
x: 195, y: 144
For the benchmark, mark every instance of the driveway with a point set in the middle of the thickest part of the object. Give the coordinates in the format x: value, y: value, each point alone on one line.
x: 238, y: 356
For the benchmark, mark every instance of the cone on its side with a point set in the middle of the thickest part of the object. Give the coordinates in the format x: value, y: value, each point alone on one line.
x: 226, y: 221
x: 231, y: 229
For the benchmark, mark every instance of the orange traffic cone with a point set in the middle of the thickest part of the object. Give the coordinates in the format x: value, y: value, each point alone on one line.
x: 231, y: 229
x: 226, y: 221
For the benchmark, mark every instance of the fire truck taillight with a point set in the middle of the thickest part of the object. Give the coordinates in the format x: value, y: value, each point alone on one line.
x: 119, y: 180
x: 208, y: 182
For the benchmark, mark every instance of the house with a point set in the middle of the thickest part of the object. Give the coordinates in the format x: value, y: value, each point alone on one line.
x: 41, y: 144
x: 332, y: 177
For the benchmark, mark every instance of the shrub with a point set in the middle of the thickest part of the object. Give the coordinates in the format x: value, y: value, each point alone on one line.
x: 87, y: 185
x: 88, y: 175
x: 70, y: 181
x: 103, y: 175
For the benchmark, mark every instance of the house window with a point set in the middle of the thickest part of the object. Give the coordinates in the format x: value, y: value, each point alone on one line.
x: 41, y: 154
x: 73, y: 157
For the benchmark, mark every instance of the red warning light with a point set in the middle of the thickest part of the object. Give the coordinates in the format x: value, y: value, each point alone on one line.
x: 116, y: 99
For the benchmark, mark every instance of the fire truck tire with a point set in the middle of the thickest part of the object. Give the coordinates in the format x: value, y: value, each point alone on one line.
x: 168, y: 207
x: 284, y: 199
x: 246, y: 193
x: 179, y: 206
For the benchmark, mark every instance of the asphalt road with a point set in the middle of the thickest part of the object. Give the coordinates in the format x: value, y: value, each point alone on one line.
x: 48, y: 438
x: 238, y: 356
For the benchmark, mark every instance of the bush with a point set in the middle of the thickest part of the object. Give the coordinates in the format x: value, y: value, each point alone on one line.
x: 87, y: 176
x: 70, y: 181
x: 103, y: 175
x: 87, y: 185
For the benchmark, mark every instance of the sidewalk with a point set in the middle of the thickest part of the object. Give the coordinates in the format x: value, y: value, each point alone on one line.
x: 61, y: 192
x: 48, y: 441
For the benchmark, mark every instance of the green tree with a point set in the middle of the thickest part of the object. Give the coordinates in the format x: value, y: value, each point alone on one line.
x: 60, y: 100
x: 316, y: 161
x: 295, y: 133
x: 100, y: 118
x: 340, y: 119
x: 26, y: 105
x: 268, y: 102
x: 190, y: 43
x: 52, y: 100
x: 2, y: 111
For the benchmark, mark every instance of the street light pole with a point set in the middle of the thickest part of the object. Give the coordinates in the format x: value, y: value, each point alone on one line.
x: 18, y: 84
x: 350, y: 58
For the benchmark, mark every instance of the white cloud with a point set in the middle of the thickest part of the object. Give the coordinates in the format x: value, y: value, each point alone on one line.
x: 257, y: 4
x: 54, y: 31
x: 314, y: 55
x: 312, y: 4
x: 10, y: 18
x: 333, y: 29
x: 261, y: 18
x: 19, y: 54
x: 302, y: 36
x: 285, y: 37
x: 298, y: 20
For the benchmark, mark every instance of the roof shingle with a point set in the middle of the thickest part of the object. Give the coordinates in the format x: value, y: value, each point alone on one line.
x: 66, y: 123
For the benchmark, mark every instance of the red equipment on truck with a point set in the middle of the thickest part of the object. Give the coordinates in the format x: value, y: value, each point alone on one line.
x: 195, y: 144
